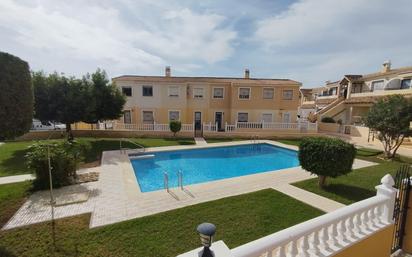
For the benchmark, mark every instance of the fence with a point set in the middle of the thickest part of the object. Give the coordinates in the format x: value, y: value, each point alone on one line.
x: 213, y: 127
x: 330, y: 233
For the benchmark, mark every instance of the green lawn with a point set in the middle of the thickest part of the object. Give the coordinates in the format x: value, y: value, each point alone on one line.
x: 12, y: 161
x: 223, y: 139
x: 239, y: 219
x: 12, y: 197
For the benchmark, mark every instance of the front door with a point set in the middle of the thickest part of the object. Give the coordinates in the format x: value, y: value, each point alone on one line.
x: 218, y: 120
x: 198, y: 124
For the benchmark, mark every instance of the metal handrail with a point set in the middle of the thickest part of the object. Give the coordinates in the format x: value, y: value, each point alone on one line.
x: 166, y: 181
x: 180, y: 179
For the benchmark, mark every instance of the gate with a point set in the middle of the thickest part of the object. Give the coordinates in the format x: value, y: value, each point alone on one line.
x: 403, y: 184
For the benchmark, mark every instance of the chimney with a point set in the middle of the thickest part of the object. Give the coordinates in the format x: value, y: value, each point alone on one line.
x: 168, y: 72
x: 386, y: 66
x: 247, y: 74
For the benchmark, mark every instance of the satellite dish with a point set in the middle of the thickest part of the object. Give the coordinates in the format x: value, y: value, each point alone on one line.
x: 393, y: 84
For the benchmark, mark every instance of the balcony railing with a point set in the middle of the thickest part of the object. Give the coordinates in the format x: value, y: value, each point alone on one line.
x: 328, y: 234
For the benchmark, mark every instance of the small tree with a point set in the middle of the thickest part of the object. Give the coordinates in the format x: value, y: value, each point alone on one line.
x: 390, y: 117
x: 175, y: 126
x: 326, y: 157
x: 16, y: 97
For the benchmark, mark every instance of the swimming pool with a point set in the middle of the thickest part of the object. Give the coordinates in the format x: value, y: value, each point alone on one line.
x: 209, y: 164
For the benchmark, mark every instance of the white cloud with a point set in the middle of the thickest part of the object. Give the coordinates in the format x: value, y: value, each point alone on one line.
x: 324, y: 39
x: 80, y: 35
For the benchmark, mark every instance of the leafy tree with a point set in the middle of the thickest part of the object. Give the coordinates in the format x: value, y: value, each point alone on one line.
x: 106, y: 98
x: 16, y: 97
x: 326, y: 157
x: 391, y: 117
x: 61, y: 99
x: 175, y: 126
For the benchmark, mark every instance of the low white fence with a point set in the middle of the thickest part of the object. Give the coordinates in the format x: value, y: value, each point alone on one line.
x: 330, y: 233
x: 213, y: 127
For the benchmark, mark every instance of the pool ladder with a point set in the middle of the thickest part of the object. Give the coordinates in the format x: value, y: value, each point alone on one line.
x: 254, y: 139
x: 179, y: 180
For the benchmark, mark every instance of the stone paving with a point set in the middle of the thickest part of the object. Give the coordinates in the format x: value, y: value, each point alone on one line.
x: 15, y: 179
x: 200, y: 141
x: 117, y: 196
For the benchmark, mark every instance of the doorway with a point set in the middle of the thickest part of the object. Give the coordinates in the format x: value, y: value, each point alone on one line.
x: 198, y: 124
x: 219, y: 120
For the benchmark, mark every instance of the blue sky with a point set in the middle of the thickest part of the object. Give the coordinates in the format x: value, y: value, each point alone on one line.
x: 306, y: 40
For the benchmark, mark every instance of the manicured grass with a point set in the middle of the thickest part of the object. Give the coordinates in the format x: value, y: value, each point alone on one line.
x: 239, y: 219
x: 355, y: 186
x: 295, y: 142
x: 223, y: 139
x: 12, y: 160
x: 12, y: 197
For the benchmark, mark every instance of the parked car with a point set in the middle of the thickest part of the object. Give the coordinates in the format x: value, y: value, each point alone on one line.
x: 47, y: 125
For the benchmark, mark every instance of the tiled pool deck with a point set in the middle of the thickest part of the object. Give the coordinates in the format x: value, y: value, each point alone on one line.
x: 117, y: 197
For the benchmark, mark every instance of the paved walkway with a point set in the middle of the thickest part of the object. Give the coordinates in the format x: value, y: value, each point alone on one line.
x: 200, y: 141
x: 117, y: 196
x: 310, y: 198
x: 15, y: 179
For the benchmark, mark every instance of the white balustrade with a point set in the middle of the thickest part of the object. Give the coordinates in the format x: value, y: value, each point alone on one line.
x: 338, y: 229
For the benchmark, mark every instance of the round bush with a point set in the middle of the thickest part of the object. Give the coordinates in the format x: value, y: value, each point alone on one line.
x: 175, y: 126
x: 328, y: 120
x: 326, y: 157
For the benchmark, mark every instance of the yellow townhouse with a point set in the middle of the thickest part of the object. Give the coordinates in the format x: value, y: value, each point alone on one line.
x: 219, y: 101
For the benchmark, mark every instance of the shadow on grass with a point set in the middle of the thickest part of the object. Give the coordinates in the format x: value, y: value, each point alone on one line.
x: 180, y: 141
x: 5, y: 253
x: 352, y: 193
x: 16, y: 164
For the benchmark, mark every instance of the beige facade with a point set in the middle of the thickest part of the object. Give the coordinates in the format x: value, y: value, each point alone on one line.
x: 349, y: 99
x: 158, y: 99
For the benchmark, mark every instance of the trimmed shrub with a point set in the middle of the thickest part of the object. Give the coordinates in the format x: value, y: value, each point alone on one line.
x: 64, y: 159
x: 16, y: 97
x: 326, y: 157
x: 328, y: 120
x: 175, y: 126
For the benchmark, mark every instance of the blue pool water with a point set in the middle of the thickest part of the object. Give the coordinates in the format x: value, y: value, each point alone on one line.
x: 208, y: 164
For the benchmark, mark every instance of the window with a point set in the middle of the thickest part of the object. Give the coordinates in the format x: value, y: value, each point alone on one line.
x: 198, y: 92
x: 148, y: 117
x: 378, y: 85
x: 218, y: 92
x: 242, y: 117
x: 244, y: 93
x: 127, y: 91
x: 406, y: 83
x: 147, y: 91
x: 287, y: 94
x: 286, y: 117
x: 127, y: 117
x: 174, y: 115
x: 267, y: 117
x: 268, y: 93
x: 173, y: 91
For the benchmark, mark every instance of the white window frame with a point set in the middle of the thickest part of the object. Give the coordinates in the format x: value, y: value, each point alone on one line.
x: 250, y: 93
x: 131, y: 118
x: 375, y: 81
x: 263, y: 93
x: 143, y: 86
x: 153, y: 114
x: 173, y: 96
x: 203, y: 93
x: 283, y: 94
x: 168, y: 114
x: 223, y: 93
x: 237, y: 117
x: 131, y: 91
x: 267, y: 113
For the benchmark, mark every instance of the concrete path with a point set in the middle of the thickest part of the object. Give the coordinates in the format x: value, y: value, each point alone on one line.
x: 317, y: 201
x: 200, y: 141
x: 15, y: 179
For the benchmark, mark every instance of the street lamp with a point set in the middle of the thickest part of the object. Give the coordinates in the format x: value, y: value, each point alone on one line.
x: 206, y: 232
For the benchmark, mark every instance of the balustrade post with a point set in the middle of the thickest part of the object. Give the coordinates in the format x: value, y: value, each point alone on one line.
x: 386, y: 189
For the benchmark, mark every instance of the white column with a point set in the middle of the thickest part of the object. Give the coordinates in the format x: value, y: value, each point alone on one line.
x: 386, y: 189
